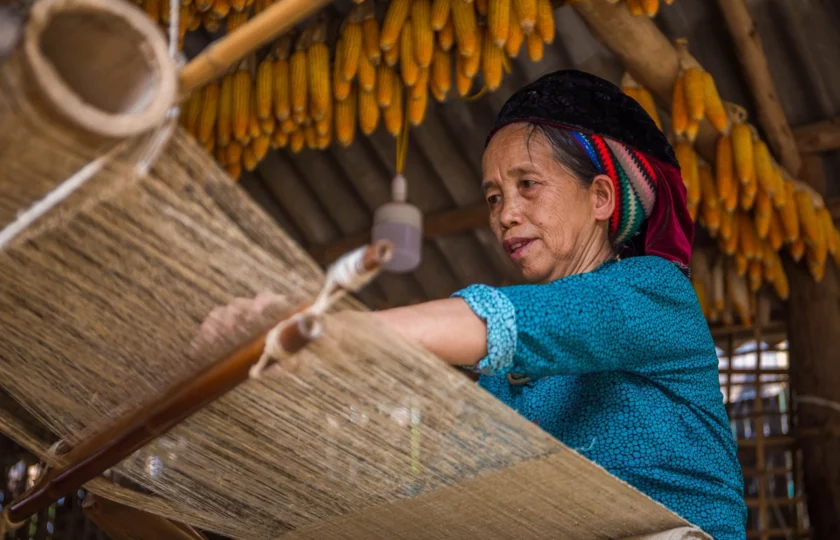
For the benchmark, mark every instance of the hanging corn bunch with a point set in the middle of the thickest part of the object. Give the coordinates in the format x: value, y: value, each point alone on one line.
x: 642, y: 96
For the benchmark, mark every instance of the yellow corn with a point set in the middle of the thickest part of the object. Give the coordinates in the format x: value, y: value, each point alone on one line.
x: 203, y: 6
x: 650, y: 7
x: 749, y: 239
x: 234, y: 170
x: 345, y: 119
x: 789, y: 214
x: 780, y: 283
x: 366, y: 74
x: 194, y: 22
x: 236, y: 20
x: 725, y: 225
x: 322, y: 142
x: 394, y: 112
x: 233, y: 152
x: 421, y: 87
x: 211, y: 22
x: 392, y: 55
x: 392, y: 26
x: 498, y: 21
x: 730, y: 202
x: 368, y: 112
x: 310, y: 136
x: 440, y: 14
x: 679, y: 108
x: 318, y: 69
x: 692, y: 129
x: 323, y: 126
x: 828, y: 229
x: 775, y: 234
x: 279, y: 139
x: 441, y: 76
x: 463, y: 18
x: 472, y: 63
x: 370, y: 40
x: 223, y: 118
x: 742, y: 151
x: 711, y: 218
x: 153, y: 10
x: 254, y: 126
x: 409, y: 69
x: 265, y: 87
x: 763, y: 214
x: 446, y: 36
x: 238, y: 5
x: 288, y: 125
x: 694, y: 97
x: 281, y: 89
x: 755, y: 275
x: 221, y: 154
x: 646, y: 101
x: 351, y: 42
x: 417, y: 104
x: 480, y: 6
x: 515, y: 36
x: 742, y: 263
x: 209, y: 111
x: 296, y: 141
x: 241, y: 104
x: 192, y: 112
x: 535, y: 46
x: 797, y: 249
x: 297, y: 83
x: 748, y: 193
x: 424, y: 35
x: 384, y: 85
x: 715, y: 112
x: 249, y: 159
x: 730, y: 245
x: 709, y: 198
x: 545, y: 20
x: 463, y: 82
x: 764, y: 168
x: 807, y: 216
x: 690, y: 173
x: 526, y: 11
x: 491, y: 63
x: 341, y: 86
x: 816, y: 268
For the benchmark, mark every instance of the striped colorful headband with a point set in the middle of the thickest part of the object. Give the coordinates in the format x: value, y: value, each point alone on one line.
x: 634, y: 180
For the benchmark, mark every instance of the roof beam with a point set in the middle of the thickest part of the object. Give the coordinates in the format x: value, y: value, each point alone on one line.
x: 819, y: 136
x: 435, y: 225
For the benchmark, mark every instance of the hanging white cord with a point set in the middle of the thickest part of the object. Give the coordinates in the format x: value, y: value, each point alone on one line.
x: 174, y: 14
x: 349, y: 274
x: 821, y: 402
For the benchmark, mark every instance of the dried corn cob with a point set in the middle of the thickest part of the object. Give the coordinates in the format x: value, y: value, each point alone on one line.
x: 515, y: 36
x: 265, y: 87
x: 463, y: 82
x: 268, y: 125
x: 211, y: 22
x: 366, y: 74
x: 224, y: 120
x: 491, y: 63
x: 288, y: 125
x: 384, y: 85
x: 393, y: 114
x: 763, y: 214
x: 545, y: 21
x: 194, y: 22
x: 646, y: 101
x: 498, y: 21
x: 203, y: 6
x: 234, y: 170
x: 318, y: 70
x: 210, y: 109
x: 310, y: 136
x: 709, y: 198
x: 715, y: 112
x: 409, y: 70
x: 249, y: 159
x: 730, y: 202
x: 392, y: 26
x: 775, y: 234
x: 828, y: 229
x: 351, y: 45
x: 424, y: 35
x: 730, y: 244
x: 259, y: 145
x: 440, y: 14
x: 797, y: 249
x: 764, y: 168
x: 535, y: 46
x: 254, y: 126
x: 370, y: 40
x: 238, y: 5
x: 820, y: 244
x: 807, y: 216
x: 441, y: 76
x: 742, y: 151
x: 480, y: 6
x: 368, y: 112
x: 526, y: 12
x: 152, y: 8
x: 241, y: 100
x: 296, y: 141
x: 235, y: 20
x: 755, y: 275
x: 726, y: 226
x: 279, y: 139
x: 221, y: 155
x: 690, y: 174
x: 635, y: 7
x: 817, y: 269
x: 463, y: 18
x: 679, y: 107
x: 341, y: 86
x: 392, y: 55
x: 742, y: 264
x: 446, y: 36
x: 298, y: 86
x: 789, y: 214
x: 748, y: 193
x: 472, y: 63
x: 233, y: 152
x: 650, y: 7
x: 345, y: 119
x: 418, y: 103
x: 694, y: 97
x: 421, y: 87
x: 323, y: 127
x: 780, y: 283
x: 192, y: 112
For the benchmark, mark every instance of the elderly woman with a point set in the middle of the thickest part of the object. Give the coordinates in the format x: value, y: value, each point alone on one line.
x: 605, y: 347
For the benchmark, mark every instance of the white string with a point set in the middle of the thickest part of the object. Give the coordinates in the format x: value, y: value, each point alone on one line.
x: 349, y: 274
x: 822, y: 402
x: 174, y: 14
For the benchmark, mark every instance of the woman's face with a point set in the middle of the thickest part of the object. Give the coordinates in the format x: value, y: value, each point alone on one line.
x: 547, y: 221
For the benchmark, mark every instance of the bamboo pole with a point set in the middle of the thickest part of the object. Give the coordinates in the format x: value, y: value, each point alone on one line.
x: 138, y: 427
x: 220, y: 55
x: 771, y: 116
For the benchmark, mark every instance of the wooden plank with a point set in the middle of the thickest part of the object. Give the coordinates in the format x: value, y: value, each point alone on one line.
x: 125, y: 523
x: 819, y: 136
x: 771, y: 115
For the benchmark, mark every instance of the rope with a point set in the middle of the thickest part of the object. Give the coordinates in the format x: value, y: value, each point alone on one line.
x: 174, y: 15
x: 822, y: 402
x: 402, y: 143
x: 347, y: 274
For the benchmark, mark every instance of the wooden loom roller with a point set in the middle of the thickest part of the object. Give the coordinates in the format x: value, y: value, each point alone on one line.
x: 137, y: 428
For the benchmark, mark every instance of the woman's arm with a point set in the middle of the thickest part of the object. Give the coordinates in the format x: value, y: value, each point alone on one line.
x: 447, y: 328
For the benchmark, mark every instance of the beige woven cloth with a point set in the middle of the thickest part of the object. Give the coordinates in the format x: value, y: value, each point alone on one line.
x: 680, y: 533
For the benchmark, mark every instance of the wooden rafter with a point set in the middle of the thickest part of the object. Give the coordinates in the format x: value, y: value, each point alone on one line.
x: 819, y: 136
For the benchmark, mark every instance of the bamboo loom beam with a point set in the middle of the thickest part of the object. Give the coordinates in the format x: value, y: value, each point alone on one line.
x: 136, y: 428
x: 771, y: 115
x: 222, y: 54
x: 818, y: 137
x: 122, y: 522
x: 653, y: 61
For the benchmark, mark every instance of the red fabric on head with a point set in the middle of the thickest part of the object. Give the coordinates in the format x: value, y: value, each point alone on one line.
x: 670, y: 230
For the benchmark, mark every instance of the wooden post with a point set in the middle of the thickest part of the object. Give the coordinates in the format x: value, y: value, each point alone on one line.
x: 771, y: 116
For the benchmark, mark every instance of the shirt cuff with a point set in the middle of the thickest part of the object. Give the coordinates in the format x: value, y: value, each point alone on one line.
x: 497, y: 311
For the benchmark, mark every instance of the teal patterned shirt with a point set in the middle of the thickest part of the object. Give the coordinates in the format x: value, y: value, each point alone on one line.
x: 623, y: 370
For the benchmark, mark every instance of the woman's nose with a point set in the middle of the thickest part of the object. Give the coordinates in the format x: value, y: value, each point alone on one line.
x: 510, y: 214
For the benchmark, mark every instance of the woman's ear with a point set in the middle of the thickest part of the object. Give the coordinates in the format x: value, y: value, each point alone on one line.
x: 602, y: 193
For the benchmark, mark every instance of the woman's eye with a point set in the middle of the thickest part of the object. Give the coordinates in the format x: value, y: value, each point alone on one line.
x: 527, y: 184
x: 493, y: 199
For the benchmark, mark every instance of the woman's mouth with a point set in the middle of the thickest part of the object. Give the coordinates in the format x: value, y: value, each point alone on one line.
x: 516, y: 247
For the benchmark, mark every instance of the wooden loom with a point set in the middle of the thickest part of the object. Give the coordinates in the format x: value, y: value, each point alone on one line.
x: 102, y: 297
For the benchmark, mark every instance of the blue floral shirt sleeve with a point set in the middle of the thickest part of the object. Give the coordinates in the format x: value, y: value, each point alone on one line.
x: 609, y: 319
